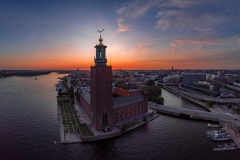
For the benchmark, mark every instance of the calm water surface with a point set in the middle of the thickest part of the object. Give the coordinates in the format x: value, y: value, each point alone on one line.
x: 29, y: 126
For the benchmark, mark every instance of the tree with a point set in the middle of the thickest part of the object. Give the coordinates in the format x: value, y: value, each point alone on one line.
x: 209, y: 103
x: 155, y: 90
x: 150, y: 83
x: 115, y: 76
x: 71, y: 93
x: 60, y: 92
x: 154, y: 93
x: 229, y: 105
x: 160, y: 100
x: 238, y: 110
x: 122, y: 85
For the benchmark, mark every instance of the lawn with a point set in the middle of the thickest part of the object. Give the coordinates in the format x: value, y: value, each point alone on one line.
x: 69, y: 118
x: 131, y: 124
x: 85, y: 130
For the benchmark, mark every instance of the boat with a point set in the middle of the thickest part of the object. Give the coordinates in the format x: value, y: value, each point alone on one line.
x: 231, y: 144
x: 58, y: 86
x: 221, y: 145
x: 213, y: 125
x: 221, y: 138
x: 216, y: 132
x: 35, y: 78
x: 227, y: 145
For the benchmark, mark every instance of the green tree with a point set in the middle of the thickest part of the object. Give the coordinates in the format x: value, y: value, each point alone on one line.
x: 65, y: 83
x: 154, y: 93
x: 71, y: 94
x: 150, y: 83
x: 115, y: 76
x: 60, y: 92
x: 160, y: 100
x: 122, y: 84
x: 238, y: 110
x: 209, y: 103
x: 155, y: 90
x: 229, y: 105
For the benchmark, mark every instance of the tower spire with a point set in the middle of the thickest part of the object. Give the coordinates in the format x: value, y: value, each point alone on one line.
x: 100, y: 58
x: 100, y: 39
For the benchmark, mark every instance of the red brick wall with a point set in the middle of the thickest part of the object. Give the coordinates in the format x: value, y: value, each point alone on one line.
x: 85, y: 105
x: 101, y: 95
x: 139, y: 107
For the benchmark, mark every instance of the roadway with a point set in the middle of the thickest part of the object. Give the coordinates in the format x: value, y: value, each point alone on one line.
x: 200, y: 96
x: 216, y: 116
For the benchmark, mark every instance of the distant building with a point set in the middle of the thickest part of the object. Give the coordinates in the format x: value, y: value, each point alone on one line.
x: 190, y: 78
x: 172, y: 78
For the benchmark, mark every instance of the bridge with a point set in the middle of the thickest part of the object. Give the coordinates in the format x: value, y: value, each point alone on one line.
x: 195, y: 114
x: 182, y: 92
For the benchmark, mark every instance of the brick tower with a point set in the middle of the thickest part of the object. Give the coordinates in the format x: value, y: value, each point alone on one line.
x: 101, y: 90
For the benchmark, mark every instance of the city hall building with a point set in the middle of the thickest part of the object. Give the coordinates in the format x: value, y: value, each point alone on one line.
x: 105, y: 104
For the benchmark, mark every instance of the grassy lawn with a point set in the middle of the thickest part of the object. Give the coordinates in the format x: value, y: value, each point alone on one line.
x: 131, y: 124
x: 69, y: 118
x: 85, y: 130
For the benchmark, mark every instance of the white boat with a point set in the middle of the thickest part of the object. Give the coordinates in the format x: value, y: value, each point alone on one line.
x: 221, y: 138
x: 213, y: 125
x: 216, y: 132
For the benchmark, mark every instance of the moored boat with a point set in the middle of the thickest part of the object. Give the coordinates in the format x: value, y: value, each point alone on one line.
x: 216, y: 132
x: 221, y: 138
x: 213, y: 125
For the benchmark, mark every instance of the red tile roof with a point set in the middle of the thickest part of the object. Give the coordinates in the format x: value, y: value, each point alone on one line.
x: 124, y: 92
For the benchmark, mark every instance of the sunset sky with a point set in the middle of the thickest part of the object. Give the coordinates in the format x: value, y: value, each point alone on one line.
x: 139, y: 34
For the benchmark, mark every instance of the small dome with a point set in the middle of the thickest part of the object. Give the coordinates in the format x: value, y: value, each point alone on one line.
x: 100, y: 40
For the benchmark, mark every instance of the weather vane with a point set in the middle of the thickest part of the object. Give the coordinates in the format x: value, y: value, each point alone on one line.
x: 100, y: 31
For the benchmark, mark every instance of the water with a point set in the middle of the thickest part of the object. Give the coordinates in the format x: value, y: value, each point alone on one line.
x: 29, y: 126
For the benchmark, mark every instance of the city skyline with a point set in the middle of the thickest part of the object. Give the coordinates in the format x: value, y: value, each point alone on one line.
x: 154, y: 34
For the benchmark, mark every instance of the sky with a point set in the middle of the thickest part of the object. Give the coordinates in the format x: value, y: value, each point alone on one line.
x: 139, y: 34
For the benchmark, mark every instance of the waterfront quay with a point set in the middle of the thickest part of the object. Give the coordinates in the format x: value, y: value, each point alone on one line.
x: 230, y: 123
x: 72, y: 118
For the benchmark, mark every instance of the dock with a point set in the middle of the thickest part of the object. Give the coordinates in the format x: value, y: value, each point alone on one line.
x: 225, y: 148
